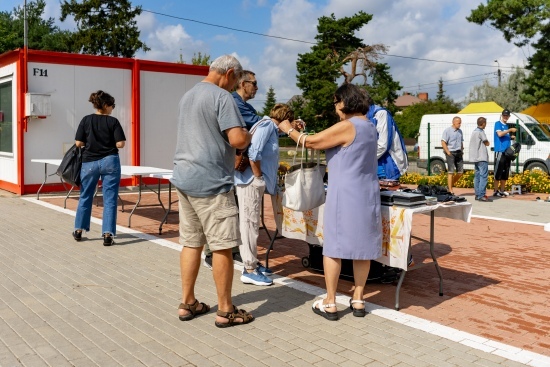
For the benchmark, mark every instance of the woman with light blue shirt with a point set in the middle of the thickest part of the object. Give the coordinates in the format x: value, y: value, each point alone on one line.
x: 251, y: 185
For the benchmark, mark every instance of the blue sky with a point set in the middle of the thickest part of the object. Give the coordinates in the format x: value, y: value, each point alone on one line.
x: 413, y: 29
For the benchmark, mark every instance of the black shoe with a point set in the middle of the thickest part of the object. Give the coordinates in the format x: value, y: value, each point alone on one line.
x: 108, y: 240
x: 237, y: 259
x: 77, y: 235
x: 208, y: 261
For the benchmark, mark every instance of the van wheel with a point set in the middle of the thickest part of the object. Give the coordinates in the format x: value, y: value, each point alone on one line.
x: 537, y: 166
x: 437, y: 166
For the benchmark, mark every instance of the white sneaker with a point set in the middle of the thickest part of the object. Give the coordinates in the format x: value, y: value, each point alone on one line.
x: 255, y: 278
x: 506, y: 193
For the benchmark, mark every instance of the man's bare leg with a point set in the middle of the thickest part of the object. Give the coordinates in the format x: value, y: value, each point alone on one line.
x: 190, y: 258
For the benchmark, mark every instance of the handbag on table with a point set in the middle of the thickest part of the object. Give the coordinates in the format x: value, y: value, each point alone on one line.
x: 69, y: 169
x: 304, y: 186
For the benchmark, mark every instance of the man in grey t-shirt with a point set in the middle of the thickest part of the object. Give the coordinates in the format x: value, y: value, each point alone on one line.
x: 452, y: 142
x: 210, y: 128
x: 480, y: 157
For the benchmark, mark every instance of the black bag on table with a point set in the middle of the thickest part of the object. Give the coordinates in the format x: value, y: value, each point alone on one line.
x: 69, y: 169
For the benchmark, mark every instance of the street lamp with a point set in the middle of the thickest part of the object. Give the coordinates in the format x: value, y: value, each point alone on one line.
x: 498, y: 72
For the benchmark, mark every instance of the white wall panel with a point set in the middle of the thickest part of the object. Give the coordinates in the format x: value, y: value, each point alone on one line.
x: 160, y: 95
x: 70, y: 87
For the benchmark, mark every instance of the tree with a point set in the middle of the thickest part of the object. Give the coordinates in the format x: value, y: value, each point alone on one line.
x: 269, y: 102
x: 336, y: 50
x: 43, y: 34
x: 408, y: 120
x: 523, y: 21
x: 383, y: 89
x: 440, y: 92
x: 201, y: 59
x: 506, y: 95
x: 105, y: 27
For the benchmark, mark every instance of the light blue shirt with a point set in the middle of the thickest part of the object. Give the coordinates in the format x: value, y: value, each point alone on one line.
x: 264, y: 147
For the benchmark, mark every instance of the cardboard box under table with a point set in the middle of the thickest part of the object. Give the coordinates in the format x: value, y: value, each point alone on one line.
x: 397, y: 224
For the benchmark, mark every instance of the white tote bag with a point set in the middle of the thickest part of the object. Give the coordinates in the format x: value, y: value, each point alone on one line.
x: 304, y: 187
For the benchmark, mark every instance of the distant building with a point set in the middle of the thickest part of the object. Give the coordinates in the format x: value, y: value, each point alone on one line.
x: 408, y: 99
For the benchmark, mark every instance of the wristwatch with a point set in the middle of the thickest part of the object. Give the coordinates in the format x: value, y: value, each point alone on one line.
x: 289, y: 131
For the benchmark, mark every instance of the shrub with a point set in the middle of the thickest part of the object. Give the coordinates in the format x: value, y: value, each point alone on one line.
x: 534, y: 181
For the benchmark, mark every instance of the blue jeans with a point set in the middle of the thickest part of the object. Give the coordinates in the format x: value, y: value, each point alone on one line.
x: 480, y: 178
x: 108, y: 169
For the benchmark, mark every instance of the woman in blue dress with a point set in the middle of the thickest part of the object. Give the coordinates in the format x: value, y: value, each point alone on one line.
x: 352, y: 221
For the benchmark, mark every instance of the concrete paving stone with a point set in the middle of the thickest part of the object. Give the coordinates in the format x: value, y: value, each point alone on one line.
x: 410, y: 352
x: 46, y: 351
x: 8, y: 359
x: 171, y: 358
x: 299, y: 363
x: 146, y: 357
x: 198, y: 360
x: 272, y: 361
x: 58, y: 361
x: 509, y: 363
x: 32, y: 361
x: 436, y: 361
x: 304, y: 344
x: 100, y: 357
x: 307, y: 356
x: 85, y: 362
x: 282, y: 344
x: 331, y: 355
x: 280, y: 355
x: 70, y: 352
x: 355, y: 356
x: 461, y: 354
x: 123, y: 357
x: 20, y: 350
x: 223, y: 360
x: 488, y: 356
x: 486, y: 363
x: 349, y: 363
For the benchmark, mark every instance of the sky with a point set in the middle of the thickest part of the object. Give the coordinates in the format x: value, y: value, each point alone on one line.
x: 428, y: 40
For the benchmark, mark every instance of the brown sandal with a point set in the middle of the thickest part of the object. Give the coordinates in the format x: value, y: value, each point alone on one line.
x: 231, y: 316
x: 192, y: 308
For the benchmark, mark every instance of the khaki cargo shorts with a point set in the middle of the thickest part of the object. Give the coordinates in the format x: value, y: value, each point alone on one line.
x: 213, y: 220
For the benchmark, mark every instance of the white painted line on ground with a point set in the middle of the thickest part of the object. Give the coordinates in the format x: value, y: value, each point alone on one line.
x: 470, y: 340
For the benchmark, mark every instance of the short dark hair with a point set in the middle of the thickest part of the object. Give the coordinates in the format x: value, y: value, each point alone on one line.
x: 355, y: 99
x: 481, y: 121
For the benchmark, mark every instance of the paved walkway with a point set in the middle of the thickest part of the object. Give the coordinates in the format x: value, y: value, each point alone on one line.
x: 81, y: 304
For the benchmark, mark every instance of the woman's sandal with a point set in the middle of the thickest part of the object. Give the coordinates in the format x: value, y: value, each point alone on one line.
x: 232, y: 316
x: 319, y: 308
x: 192, y: 308
x: 357, y: 312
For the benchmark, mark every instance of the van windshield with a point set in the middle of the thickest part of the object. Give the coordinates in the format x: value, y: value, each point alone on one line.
x: 539, y: 132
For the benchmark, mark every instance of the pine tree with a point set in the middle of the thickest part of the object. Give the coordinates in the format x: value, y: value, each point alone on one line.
x: 105, y: 27
x: 269, y: 102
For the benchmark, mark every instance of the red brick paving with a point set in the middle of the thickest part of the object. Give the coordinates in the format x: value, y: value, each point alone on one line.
x: 496, y: 277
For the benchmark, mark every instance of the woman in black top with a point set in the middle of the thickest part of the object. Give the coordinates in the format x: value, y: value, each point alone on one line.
x: 101, y: 136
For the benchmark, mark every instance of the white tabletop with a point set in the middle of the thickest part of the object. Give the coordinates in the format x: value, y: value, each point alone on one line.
x: 55, y: 162
x: 143, y: 171
x: 166, y: 176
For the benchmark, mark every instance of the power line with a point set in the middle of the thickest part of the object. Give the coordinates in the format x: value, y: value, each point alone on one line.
x: 314, y: 43
x: 450, y: 80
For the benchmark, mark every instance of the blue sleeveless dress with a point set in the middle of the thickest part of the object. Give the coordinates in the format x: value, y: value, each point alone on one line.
x: 352, y: 220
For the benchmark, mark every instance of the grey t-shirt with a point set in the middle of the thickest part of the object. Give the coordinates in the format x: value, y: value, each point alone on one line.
x: 204, y: 162
x: 453, y: 138
x: 478, y: 150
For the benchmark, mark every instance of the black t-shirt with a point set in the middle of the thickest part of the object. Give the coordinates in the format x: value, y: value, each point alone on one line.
x: 100, y: 133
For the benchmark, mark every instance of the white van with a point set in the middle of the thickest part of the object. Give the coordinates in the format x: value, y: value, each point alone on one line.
x: 535, y: 141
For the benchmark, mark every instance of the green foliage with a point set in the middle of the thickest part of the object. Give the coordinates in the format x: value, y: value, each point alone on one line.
x: 383, y: 89
x: 203, y: 60
x: 506, y: 95
x: 43, y: 34
x: 440, y: 92
x: 105, y: 27
x: 522, y: 21
x: 319, y: 68
x: 533, y: 181
x: 269, y: 102
x: 408, y: 120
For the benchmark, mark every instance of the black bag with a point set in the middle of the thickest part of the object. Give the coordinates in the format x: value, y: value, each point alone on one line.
x: 512, y: 151
x: 69, y: 169
x: 379, y: 273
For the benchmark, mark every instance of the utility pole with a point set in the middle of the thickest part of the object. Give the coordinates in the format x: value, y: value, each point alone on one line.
x: 498, y: 72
